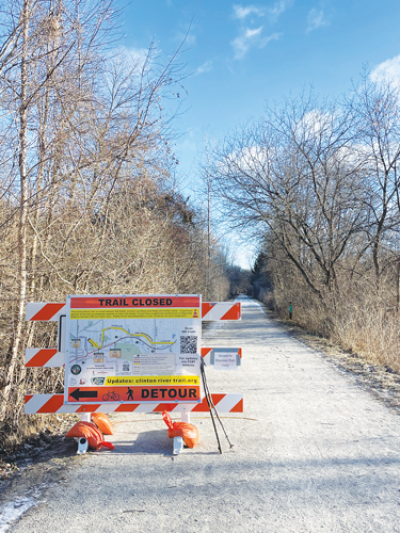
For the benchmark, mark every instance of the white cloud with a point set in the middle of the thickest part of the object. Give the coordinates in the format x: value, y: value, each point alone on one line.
x: 251, y: 38
x: 132, y: 57
x: 138, y: 55
x: 274, y: 37
x: 242, y: 44
x: 315, y: 123
x: 205, y: 67
x: 188, y: 38
x: 253, y: 33
x: 389, y: 71
x: 128, y: 61
x: 279, y: 7
x: 242, y: 12
x: 315, y: 19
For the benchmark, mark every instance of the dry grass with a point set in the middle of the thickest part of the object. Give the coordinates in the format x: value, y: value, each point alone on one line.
x: 361, y: 325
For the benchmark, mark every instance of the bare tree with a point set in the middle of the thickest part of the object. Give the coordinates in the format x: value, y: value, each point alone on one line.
x: 39, y: 54
x: 377, y: 111
x: 295, y: 175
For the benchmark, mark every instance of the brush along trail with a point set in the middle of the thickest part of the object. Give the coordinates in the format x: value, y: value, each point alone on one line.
x: 321, y: 455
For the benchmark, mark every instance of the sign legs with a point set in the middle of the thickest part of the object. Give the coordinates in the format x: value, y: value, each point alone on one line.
x: 83, y: 446
x: 178, y: 445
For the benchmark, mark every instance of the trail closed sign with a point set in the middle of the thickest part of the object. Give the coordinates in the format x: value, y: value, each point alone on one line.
x: 132, y: 348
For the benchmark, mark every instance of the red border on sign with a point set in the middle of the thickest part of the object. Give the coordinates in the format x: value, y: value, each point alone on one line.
x: 134, y: 302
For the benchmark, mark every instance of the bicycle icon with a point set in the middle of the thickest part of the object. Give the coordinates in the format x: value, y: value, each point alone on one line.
x: 111, y: 396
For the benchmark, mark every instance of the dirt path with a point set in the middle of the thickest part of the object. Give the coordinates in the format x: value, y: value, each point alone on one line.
x: 323, y: 455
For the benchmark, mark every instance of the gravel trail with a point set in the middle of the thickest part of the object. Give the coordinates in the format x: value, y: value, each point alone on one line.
x: 322, y: 455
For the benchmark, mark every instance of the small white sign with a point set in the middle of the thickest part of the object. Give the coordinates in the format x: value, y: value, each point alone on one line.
x: 225, y: 361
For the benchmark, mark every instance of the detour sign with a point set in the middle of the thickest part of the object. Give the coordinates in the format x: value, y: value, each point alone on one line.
x: 132, y: 348
x: 134, y: 394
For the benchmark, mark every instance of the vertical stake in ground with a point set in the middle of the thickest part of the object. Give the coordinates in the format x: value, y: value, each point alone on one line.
x: 209, y: 404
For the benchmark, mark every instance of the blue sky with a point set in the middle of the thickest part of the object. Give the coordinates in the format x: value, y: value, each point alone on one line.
x: 241, y: 55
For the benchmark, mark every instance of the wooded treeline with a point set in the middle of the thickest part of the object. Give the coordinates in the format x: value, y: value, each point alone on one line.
x: 87, y: 196
x: 319, y: 184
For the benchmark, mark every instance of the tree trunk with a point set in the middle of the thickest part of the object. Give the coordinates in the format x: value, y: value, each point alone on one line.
x: 7, y: 384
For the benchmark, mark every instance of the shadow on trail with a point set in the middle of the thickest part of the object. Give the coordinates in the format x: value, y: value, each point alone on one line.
x: 320, y: 480
x: 154, y: 442
x: 146, y: 442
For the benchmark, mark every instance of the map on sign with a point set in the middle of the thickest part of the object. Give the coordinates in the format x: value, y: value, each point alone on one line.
x: 133, y: 348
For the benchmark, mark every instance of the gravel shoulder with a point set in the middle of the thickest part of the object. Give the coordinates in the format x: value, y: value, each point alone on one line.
x: 380, y: 380
x: 321, y: 455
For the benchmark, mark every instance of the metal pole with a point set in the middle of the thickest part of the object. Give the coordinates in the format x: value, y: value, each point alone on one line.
x: 215, y: 410
x: 209, y: 404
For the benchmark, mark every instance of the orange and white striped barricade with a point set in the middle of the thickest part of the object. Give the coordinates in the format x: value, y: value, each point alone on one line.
x: 214, y: 312
x: 44, y: 358
x: 86, y: 397
x: 210, y: 311
x: 54, y: 403
x: 52, y: 358
x: 44, y: 312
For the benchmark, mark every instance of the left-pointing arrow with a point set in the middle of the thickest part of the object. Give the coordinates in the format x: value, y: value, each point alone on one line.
x: 77, y: 394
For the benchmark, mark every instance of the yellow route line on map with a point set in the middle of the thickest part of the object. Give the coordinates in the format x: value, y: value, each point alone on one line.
x: 132, y: 335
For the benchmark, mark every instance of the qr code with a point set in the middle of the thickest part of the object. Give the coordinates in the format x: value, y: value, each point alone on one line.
x: 189, y: 344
